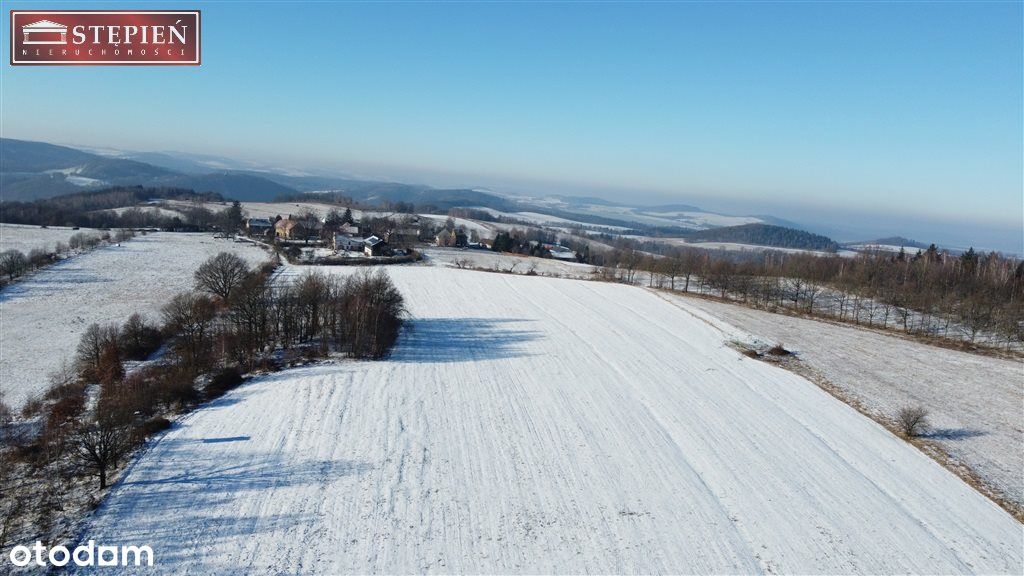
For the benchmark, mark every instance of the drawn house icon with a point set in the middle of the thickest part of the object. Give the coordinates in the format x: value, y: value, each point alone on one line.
x: 44, y: 32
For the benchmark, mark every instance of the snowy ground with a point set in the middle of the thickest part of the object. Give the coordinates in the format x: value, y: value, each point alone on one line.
x: 535, y: 425
x: 24, y: 238
x: 43, y: 316
x: 974, y: 401
x: 505, y: 262
x: 737, y: 247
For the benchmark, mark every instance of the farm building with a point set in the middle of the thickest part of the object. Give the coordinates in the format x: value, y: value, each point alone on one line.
x: 258, y: 226
x: 374, y: 246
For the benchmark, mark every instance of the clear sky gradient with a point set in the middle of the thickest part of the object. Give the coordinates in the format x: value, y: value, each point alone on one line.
x: 906, y: 111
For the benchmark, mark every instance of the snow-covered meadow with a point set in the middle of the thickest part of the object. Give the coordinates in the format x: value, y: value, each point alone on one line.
x: 538, y: 425
x: 43, y: 316
x: 974, y: 402
x: 24, y: 238
x: 485, y: 259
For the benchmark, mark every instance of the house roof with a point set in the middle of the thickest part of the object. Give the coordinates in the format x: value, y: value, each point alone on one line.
x: 287, y: 225
x: 373, y: 241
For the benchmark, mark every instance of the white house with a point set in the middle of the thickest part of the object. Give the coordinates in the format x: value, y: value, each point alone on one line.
x: 347, y: 243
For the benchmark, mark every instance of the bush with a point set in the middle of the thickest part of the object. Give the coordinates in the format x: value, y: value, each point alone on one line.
x: 267, y: 365
x: 64, y: 410
x: 223, y: 382
x: 912, y: 421
x: 175, y: 384
x: 138, y: 338
x: 154, y: 425
x: 778, y: 350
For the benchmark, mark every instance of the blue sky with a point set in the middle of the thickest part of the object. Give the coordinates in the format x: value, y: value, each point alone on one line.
x: 910, y: 113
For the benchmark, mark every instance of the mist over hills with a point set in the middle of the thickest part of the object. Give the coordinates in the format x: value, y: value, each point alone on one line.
x: 36, y: 170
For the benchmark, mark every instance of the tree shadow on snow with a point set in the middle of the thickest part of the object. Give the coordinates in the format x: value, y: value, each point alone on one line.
x: 954, y: 433
x: 463, y: 339
x: 185, y: 513
x: 47, y: 282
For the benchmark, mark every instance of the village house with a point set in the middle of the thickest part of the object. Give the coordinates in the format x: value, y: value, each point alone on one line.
x: 258, y: 226
x: 347, y: 243
x: 406, y: 235
x: 452, y: 239
x: 374, y: 246
x: 298, y: 230
x: 348, y: 229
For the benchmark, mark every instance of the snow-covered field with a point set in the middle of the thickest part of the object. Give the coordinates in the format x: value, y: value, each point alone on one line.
x: 43, y: 316
x: 536, y: 425
x: 506, y: 262
x: 738, y: 247
x: 24, y: 238
x: 974, y: 401
x: 540, y: 219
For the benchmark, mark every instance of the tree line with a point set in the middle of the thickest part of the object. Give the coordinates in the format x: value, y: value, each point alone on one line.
x: 15, y: 263
x: 976, y: 298
x: 96, y: 209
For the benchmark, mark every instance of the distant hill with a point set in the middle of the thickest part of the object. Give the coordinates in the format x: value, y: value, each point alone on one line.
x: 766, y: 235
x: 231, y: 185
x: 893, y: 241
x: 34, y: 170
x: 425, y: 199
x: 31, y: 157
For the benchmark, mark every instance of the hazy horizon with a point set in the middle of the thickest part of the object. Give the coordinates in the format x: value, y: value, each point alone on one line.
x: 876, y: 118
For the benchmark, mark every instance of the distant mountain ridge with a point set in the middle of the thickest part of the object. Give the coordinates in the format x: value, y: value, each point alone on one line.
x: 37, y: 170
x: 766, y: 235
x: 893, y: 241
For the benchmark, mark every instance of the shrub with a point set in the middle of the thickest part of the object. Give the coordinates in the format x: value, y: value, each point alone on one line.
x: 912, y: 421
x: 268, y: 365
x: 139, y: 339
x: 175, y: 384
x: 64, y: 410
x: 154, y: 425
x: 223, y: 382
x: 778, y: 350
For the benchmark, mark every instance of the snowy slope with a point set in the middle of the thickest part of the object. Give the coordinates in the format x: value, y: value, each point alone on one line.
x: 974, y: 401
x: 24, y: 238
x: 43, y: 316
x: 488, y: 260
x: 535, y: 425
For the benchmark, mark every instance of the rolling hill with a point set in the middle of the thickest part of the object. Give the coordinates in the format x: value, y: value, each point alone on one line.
x: 556, y: 426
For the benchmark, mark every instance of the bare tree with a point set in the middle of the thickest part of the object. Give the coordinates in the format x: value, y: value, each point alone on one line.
x: 90, y: 348
x: 912, y: 421
x: 221, y: 274
x: 100, y: 445
x: 191, y: 316
x: 13, y: 264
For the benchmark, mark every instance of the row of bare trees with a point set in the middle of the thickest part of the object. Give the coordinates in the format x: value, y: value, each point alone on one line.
x: 15, y: 263
x: 970, y: 297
